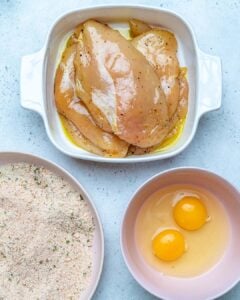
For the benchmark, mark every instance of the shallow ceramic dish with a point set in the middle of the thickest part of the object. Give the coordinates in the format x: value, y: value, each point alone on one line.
x: 98, y: 243
x: 38, y: 71
x: 209, y: 285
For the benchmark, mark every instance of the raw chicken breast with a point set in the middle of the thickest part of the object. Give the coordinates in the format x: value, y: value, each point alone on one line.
x: 182, y: 107
x: 85, y: 95
x: 179, y: 114
x: 137, y: 27
x: 118, y: 81
x: 71, y: 107
x: 78, y: 139
x: 160, y: 49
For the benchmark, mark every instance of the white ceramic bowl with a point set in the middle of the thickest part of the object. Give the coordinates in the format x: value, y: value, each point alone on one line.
x: 38, y: 71
x: 98, y: 243
x: 209, y: 285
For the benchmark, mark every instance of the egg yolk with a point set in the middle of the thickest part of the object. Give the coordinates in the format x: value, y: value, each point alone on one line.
x: 168, y: 245
x: 190, y: 213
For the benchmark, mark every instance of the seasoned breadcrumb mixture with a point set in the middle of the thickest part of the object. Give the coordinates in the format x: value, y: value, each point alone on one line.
x: 46, y: 235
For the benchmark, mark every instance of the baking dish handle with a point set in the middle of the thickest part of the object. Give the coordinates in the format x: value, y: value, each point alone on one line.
x: 31, y: 82
x: 210, y: 83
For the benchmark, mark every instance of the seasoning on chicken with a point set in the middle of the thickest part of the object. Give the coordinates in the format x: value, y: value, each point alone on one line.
x: 160, y: 49
x: 72, y: 108
x: 119, y: 82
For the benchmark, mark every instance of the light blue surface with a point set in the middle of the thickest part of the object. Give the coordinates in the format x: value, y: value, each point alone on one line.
x: 23, y: 28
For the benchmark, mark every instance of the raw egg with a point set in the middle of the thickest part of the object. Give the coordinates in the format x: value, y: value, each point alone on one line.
x: 166, y: 232
x: 190, y: 213
x: 168, y: 245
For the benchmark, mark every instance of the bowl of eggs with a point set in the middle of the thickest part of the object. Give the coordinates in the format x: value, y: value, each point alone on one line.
x: 179, y: 235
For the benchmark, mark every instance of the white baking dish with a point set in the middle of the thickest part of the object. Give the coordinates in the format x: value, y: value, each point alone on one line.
x: 38, y: 71
x: 98, y: 242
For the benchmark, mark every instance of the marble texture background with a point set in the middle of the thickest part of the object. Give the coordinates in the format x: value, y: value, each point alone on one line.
x: 23, y: 28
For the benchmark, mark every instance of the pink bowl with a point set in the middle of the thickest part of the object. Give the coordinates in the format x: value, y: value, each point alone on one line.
x: 209, y: 285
